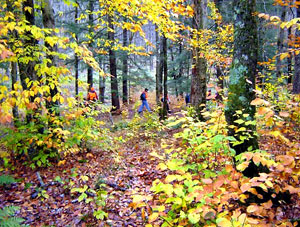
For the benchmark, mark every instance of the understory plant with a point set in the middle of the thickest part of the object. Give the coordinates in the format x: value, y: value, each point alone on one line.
x: 205, y: 187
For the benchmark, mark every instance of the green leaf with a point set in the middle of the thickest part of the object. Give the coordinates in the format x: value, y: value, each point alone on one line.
x: 194, y: 217
x: 239, y: 121
x: 82, y: 197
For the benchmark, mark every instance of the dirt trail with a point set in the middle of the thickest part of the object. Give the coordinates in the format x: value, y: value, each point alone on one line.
x: 126, y: 172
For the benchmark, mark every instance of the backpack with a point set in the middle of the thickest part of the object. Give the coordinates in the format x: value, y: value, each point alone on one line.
x: 143, y: 96
x: 92, y: 96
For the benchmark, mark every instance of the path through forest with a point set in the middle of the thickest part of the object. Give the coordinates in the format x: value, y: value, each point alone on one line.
x: 122, y: 173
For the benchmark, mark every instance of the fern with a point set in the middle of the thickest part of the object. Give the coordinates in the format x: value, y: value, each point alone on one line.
x: 7, y: 218
x: 6, y: 179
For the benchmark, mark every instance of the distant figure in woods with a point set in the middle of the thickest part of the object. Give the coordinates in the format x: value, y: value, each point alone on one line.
x: 168, y: 101
x: 144, y: 97
x: 187, y: 98
x: 92, y: 95
x: 208, y: 96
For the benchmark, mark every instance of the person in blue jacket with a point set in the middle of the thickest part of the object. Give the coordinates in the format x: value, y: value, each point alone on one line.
x: 143, y: 98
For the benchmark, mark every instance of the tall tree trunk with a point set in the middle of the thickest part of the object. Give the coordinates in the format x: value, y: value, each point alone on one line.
x: 174, y: 75
x: 242, y: 79
x: 219, y: 76
x: 13, y: 68
x: 13, y: 81
x: 113, y: 68
x: 125, y: 68
x: 198, y: 86
x: 76, y: 64
x: 90, y: 26
x: 180, y: 73
x: 296, y: 79
x: 158, y: 74
x: 280, y: 46
x: 48, y: 22
x: 101, y: 89
x: 165, y: 79
x: 27, y: 70
x: 289, y: 61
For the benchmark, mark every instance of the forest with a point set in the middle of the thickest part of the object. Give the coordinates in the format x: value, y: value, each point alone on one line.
x: 149, y: 113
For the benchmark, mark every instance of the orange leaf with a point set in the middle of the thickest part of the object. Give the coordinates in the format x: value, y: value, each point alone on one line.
x: 284, y: 114
x: 252, y: 208
x: 62, y: 162
x: 257, y: 102
x: 245, y: 187
x: 268, y: 204
x: 207, y: 181
x: 263, y: 110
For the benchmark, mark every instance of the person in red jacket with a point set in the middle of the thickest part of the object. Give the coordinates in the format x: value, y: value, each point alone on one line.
x: 92, y: 95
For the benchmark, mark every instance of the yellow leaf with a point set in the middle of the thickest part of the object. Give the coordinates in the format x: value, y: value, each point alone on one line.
x: 137, y: 198
x: 284, y: 55
x: 153, y: 217
x: 223, y: 222
x: 62, y: 162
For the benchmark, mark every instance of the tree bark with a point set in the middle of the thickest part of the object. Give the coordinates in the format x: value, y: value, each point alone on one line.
x: 125, y: 68
x: 158, y: 74
x: 180, y: 73
x: 48, y: 22
x: 242, y: 79
x: 280, y: 46
x: 27, y: 70
x: 113, y: 68
x: 13, y: 68
x: 90, y: 28
x: 13, y: 81
x: 76, y: 64
x: 165, y: 78
x: 198, y: 83
x: 289, y: 61
x: 296, y: 79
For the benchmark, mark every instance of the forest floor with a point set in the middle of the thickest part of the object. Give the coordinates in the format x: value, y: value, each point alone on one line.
x: 124, y: 173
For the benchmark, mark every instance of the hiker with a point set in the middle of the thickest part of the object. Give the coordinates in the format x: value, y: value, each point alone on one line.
x: 168, y: 101
x: 92, y: 95
x: 144, y: 97
x: 187, y: 99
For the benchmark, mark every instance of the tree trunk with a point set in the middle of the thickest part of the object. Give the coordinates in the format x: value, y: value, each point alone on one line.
x: 180, y: 74
x: 90, y: 23
x: 289, y: 61
x: 125, y: 68
x: 27, y: 70
x: 165, y: 79
x: 76, y: 64
x: 174, y: 75
x: 13, y: 81
x: 158, y: 74
x: 198, y: 83
x: 13, y: 69
x: 296, y: 79
x: 280, y: 46
x: 101, y: 89
x: 113, y: 68
x: 48, y: 22
x: 242, y: 79
x: 29, y: 43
